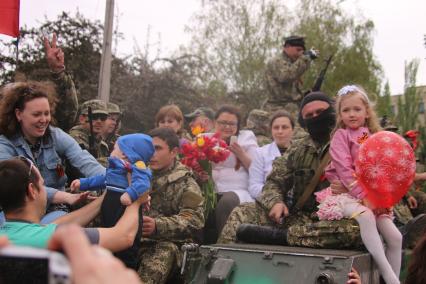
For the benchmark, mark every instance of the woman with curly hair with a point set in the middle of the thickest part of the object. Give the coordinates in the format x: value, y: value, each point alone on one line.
x: 26, y: 110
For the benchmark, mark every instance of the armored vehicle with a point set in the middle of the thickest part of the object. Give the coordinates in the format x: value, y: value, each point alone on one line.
x: 266, y: 264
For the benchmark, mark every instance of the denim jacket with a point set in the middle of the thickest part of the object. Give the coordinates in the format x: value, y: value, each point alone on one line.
x: 57, y: 147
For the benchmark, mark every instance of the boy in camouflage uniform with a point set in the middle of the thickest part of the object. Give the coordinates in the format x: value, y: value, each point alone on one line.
x: 81, y: 132
x: 288, y: 180
x: 176, y: 211
x: 283, y: 75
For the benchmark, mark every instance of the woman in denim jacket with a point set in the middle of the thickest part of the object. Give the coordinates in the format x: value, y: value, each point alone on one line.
x: 25, y: 116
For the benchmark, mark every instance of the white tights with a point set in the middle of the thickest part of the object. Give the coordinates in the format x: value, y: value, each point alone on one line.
x: 389, y: 263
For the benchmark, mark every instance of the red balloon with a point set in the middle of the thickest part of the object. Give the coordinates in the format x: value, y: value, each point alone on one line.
x: 385, y: 168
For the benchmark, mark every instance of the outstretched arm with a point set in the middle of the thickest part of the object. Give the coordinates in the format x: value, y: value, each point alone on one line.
x: 123, y: 234
x: 83, y: 215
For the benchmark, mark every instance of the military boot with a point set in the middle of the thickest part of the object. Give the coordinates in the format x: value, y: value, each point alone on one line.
x: 413, y: 230
x: 266, y: 235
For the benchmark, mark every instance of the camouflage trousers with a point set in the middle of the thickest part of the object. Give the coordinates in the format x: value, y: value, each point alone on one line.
x: 302, y: 229
x: 402, y: 211
x: 159, y: 260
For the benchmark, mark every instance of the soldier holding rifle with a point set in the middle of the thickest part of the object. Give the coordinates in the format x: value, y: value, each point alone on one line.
x: 88, y: 133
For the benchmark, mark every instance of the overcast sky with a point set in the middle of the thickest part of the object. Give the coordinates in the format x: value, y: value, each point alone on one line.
x: 400, y: 26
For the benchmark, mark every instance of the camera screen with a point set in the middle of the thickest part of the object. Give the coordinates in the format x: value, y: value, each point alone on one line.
x: 23, y: 270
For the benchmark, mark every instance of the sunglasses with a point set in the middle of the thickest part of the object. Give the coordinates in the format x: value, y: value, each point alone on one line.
x: 29, y: 163
x: 99, y: 116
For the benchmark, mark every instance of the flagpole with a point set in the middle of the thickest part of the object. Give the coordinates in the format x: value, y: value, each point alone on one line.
x: 105, y: 70
x: 17, y: 53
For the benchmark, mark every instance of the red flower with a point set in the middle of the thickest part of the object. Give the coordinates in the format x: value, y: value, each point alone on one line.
x: 198, y: 155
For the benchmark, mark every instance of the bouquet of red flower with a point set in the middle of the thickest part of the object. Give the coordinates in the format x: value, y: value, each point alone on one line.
x: 199, y: 155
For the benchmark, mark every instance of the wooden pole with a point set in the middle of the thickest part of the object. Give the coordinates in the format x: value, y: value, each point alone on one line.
x: 105, y: 72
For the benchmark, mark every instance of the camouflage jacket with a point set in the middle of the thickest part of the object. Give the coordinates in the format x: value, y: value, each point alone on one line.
x: 176, y: 204
x: 110, y: 141
x: 291, y: 173
x: 282, y: 78
x: 81, y: 135
x: 67, y: 106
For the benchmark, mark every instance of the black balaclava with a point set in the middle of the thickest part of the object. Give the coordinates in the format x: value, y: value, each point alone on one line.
x: 319, y: 127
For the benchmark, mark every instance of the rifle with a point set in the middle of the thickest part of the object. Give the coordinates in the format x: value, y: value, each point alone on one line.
x: 110, y: 136
x: 321, y: 77
x: 92, y: 148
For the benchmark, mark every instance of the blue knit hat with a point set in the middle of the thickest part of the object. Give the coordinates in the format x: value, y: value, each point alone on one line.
x: 136, y: 147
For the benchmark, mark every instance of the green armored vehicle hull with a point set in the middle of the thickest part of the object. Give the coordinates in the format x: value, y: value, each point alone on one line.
x: 265, y: 264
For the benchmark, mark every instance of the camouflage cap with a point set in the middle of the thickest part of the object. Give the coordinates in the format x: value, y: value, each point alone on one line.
x: 258, y: 121
x: 113, y: 108
x: 206, y: 111
x: 97, y: 106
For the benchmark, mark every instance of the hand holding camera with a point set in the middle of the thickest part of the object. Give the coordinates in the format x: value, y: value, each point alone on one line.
x: 85, y: 264
x: 312, y: 53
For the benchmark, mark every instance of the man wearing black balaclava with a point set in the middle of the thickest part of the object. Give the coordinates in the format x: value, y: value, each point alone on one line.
x: 289, y: 178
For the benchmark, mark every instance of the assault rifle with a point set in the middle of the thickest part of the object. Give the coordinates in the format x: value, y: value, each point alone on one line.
x: 92, y: 148
x: 321, y: 77
x: 110, y: 136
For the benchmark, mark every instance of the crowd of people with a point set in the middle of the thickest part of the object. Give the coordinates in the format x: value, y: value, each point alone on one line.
x: 150, y: 204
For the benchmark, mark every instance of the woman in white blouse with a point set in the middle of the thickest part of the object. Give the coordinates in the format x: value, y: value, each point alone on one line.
x: 231, y: 176
x: 282, y: 126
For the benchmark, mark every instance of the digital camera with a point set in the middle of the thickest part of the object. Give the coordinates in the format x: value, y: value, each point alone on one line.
x: 33, y: 265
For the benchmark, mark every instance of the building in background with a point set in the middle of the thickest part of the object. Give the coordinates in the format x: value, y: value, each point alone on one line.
x: 421, y: 91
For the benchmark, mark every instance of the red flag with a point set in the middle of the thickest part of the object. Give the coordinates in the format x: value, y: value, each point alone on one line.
x: 9, y: 17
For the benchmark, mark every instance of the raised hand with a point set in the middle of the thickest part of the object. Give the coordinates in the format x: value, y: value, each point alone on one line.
x: 54, y: 55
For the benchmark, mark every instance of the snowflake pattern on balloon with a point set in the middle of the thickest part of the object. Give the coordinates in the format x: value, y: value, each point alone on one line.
x: 389, y: 152
x: 371, y: 154
x: 385, y: 168
x: 386, y: 139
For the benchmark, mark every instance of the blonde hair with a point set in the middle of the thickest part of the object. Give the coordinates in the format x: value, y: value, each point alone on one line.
x: 371, y: 122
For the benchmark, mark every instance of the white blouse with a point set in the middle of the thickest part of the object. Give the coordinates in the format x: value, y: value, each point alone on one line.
x: 261, y: 166
x: 225, y: 176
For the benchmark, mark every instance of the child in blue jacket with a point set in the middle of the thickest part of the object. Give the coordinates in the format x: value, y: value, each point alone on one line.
x: 127, y: 178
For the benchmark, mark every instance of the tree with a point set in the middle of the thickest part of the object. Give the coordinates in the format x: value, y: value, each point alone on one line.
x: 384, y: 103
x: 328, y: 28
x: 408, y: 103
x: 235, y: 39
x: 136, y: 85
x: 79, y: 38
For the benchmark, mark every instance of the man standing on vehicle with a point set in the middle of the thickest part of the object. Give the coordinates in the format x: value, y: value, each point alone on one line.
x: 283, y: 75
